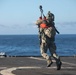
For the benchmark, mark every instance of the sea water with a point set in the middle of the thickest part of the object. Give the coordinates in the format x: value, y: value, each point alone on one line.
x: 28, y: 45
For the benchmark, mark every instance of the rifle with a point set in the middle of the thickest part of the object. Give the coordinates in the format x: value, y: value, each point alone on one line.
x: 41, y: 10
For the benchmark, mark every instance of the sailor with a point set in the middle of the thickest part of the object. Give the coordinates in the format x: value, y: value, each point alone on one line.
x: 48, y: 42
x: 47, y: 33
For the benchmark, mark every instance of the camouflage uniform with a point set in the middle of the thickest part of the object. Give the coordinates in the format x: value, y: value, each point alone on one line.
x: 47, y: 42
x: 47, y: 38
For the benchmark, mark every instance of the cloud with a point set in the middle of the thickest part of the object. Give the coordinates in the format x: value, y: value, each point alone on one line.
x: 15, y: 26
x: 11, y: 26
x: 32, y: 24
x: 66, y: 23
x: 4, y: 26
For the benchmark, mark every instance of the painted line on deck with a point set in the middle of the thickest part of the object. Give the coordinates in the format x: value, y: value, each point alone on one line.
x: 8, y: 71
x: 72, y: 64
x: 3, y: 67
x: 39, y: 58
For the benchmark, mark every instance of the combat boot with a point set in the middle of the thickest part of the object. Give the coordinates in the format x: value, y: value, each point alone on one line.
x: 49, y: 63
x: 59, y: 65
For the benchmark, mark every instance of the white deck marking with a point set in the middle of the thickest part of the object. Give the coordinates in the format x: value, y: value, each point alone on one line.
x: 72, y: 64
x: 8, y: 71
x: 3, y: 67
x: 36, y: 58
x: 39, y: 58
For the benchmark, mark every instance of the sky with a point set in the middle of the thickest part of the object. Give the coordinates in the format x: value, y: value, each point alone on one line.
x: 19, y: 16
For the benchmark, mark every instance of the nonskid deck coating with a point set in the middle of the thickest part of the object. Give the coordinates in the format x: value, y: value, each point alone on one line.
x: 36, y: 66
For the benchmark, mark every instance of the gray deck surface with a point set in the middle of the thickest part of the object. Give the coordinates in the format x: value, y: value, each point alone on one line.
x: 36, y: 66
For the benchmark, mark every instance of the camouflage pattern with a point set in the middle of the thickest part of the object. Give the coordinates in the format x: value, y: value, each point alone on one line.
x: 38, y: 22
x: 50, y: 32
x: 48, y: 43
x: 47, y: 38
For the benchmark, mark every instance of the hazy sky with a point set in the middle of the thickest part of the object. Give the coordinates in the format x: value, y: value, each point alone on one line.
x: 19, y: 16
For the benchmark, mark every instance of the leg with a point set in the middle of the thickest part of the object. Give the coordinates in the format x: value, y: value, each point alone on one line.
x: 43, y: 49
x: 52, y: 49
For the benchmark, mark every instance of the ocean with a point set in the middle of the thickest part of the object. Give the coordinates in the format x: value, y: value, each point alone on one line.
x: 28, y: 45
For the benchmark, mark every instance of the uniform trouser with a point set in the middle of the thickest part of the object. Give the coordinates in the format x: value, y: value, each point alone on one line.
x: 52, y: 49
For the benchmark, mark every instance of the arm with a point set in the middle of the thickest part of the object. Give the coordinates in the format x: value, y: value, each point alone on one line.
x: 39, y: 21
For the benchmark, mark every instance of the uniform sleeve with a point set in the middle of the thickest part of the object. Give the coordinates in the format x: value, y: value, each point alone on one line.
x: 38, y: 22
